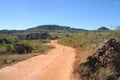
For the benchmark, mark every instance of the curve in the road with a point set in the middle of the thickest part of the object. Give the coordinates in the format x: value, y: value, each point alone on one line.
x: 55, y: 65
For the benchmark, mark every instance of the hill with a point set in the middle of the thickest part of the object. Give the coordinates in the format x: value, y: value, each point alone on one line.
x: 43, y: 28
x: 49, y: 27
x: 103, y: 29
x: 53, y: 28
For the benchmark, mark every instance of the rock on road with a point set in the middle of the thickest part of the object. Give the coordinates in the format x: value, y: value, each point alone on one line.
x: 55, y: 65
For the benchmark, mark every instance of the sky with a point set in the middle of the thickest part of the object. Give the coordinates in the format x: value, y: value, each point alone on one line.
x: 85, y: 14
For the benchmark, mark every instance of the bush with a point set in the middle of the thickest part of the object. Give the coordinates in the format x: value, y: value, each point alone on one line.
x: 5, y: 48
x: 22, y: 48
x: 37, y: 46
x: 116, y: 34
x: 3, y: 60
x: 9, y: 48
x: 35, y: 36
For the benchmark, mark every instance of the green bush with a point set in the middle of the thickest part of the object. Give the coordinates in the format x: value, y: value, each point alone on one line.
x: 25, y: 46
x: 116, y: 34
x: 37, y: 46
x: 8, y: 48
x: 3, y: 60
x: 5, y: 48
x: 22, y: 48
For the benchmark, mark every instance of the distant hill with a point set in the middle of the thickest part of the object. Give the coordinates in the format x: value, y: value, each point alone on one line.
x: 49, y: 27
x: 103, y: 29
x: 43, y: 28
x: 53, y: 28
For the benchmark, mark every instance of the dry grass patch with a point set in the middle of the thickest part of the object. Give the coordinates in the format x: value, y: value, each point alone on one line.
x: 10, y: 59
x: 81, y: 55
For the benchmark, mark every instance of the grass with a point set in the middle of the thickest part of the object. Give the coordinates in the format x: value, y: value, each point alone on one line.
x: 81, y: 55
x: 83, y: 40
x: 34, y: 46
x: 86, y: 44
x: 3, y: 60
x: 7, y: 57
x: 104, y: 74
x: 10, y: 55
x: 38, y: 46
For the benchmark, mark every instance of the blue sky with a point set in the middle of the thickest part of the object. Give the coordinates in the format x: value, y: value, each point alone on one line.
x: 86, y: 14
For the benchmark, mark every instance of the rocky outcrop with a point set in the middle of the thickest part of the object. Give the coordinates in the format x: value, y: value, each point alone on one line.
x: 106, y: 55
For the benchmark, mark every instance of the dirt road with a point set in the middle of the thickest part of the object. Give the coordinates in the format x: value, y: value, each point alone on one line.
x: 55, y: 65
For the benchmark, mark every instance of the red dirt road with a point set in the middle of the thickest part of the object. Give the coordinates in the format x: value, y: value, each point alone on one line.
x: 55, y: 65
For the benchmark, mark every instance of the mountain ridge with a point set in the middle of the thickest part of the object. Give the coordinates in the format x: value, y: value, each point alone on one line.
x: 52, y: 27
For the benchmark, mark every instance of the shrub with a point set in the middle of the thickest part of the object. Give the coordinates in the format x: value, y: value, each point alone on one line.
x: 116, y: 34
x: 9, y: 48
x: 22, y: 48
x: 3, y: 60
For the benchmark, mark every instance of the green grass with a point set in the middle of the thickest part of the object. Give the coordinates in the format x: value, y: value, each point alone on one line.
x: 89, y: 39
x: 38, y: 46
x: 83, y: 40
x: 9, y: 56
x: 3, y: 60
x: 35, y: 46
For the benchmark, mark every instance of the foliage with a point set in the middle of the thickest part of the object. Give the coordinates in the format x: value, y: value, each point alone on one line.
x: 34, y: 36
x: 23, y: 46
x: 5, y: 48
x: 3, y: 60
x: 16, y: 51
x: 116, y: 34
x: 84, y: 39
x: 37, y: 45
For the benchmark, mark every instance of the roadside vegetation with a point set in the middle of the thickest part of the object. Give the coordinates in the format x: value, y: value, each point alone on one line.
x: 85, y: 39
x: 86, y: 43
x: 14, y: 49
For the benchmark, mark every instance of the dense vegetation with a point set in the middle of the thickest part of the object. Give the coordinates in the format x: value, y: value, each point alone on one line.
x: 34, y: 36
x: 15, y: 47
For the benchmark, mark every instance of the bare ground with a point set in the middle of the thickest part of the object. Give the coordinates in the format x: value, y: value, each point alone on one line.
x: 55, y: 65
